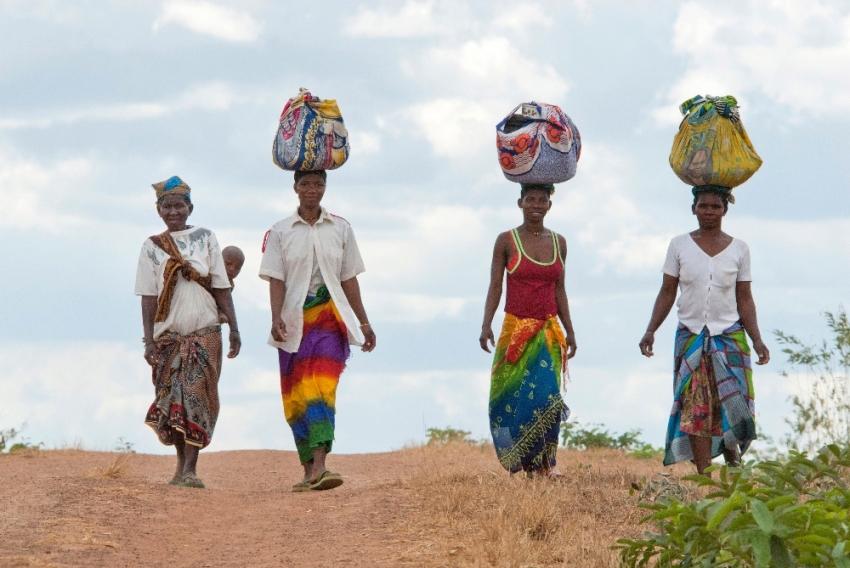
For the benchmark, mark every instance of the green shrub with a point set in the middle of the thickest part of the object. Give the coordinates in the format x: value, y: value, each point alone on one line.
x: 448, y: 435
x: 7, y: 436
x: 781, y: 514
x: 821, y: 413
x: 577, y: 437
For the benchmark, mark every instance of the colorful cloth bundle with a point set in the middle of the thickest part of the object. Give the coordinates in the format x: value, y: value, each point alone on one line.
x: 526, y: 407
x: 725, y: 360
x: 311, y: 135
x: 712, y: 148
x: 308, y: 378
x: 539, y: 146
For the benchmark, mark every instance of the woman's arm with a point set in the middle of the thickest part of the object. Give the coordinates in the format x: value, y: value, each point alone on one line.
x: 747, y: 312
x: 149, y: 304
x: 351, y: 289
x: 494, y: 292
x: 564, y: 304
x: 277, y: 293
x: 224, y: 301
x: 663, y: 304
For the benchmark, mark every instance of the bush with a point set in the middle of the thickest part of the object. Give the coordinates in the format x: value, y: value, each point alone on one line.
x: 821, y: 414
x: 7, y: 436
x: 576, y: 437
x: 791, y: 513
x: 448, y: 435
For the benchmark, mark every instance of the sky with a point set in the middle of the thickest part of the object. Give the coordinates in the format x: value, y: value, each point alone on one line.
x: 99, y: 99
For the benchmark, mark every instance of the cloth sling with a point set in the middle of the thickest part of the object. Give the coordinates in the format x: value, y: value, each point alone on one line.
x: 175, y: 265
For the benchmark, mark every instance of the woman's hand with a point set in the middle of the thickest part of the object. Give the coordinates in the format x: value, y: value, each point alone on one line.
x: 646, y: 344
x: 486, y: 337
x: 370, y: 338
x: 761, y: 350
x: 278, y: 329
x: 235, y: 343
x: 571, y: 346
x: 151, y: 354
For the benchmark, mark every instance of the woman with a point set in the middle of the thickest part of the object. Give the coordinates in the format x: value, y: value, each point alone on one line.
x: 311, y: 262
x: 713, y: 408
x: 183, y: 284
x: 526, y: 408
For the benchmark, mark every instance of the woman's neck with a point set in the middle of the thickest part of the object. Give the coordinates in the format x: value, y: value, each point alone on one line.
x: 309, y: 214
x: 533, y: 227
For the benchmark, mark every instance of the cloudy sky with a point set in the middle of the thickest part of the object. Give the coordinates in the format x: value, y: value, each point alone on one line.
x: 99, y: 99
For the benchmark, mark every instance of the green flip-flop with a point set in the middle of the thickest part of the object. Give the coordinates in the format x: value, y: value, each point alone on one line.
x: 176, y: 479
x: 327, y: 480
x: 192, y: 481
x: 301, y: 486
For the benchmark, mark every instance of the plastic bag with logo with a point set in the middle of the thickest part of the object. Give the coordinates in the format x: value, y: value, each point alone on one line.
x: 311, y: 135
x: 541, y: 145
x: 712, y: 147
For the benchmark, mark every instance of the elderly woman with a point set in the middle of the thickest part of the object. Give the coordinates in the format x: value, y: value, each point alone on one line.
x: 183, y: 284
x: 713, y: 407
x: 311, y: 262
x: 526, y: 407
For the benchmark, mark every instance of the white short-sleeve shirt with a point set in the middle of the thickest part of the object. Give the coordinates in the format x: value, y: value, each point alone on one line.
x: 192, y: 307
x: 290, y: 253
x: 707, y: 284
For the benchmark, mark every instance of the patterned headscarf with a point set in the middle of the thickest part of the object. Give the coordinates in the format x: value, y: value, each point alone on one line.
x: 172, y: 186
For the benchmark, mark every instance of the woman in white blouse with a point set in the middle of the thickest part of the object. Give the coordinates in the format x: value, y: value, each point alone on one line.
x: 713, y: 409
x: 311, y: 262
x: 183, y: 284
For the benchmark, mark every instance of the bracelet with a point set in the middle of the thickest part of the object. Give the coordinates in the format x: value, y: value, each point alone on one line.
x: 362, y: 325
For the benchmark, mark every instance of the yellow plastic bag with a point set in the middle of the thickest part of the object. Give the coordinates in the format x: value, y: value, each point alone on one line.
x: 712, y: 147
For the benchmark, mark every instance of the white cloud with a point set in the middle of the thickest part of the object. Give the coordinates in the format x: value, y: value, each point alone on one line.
x: 366, y: 142
x: 463, y: 125
x: 211, y: 97
x: 210, y: 19
x: 795, y: 53
x: 414, y: 19
x: 31, y: 194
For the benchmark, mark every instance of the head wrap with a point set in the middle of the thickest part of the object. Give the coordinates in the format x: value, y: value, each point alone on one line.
x: 172, y: 186
x: 722, y: 191
x: 547, y: 187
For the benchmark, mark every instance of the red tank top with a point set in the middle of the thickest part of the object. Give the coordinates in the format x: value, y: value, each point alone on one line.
x: 531, y: 284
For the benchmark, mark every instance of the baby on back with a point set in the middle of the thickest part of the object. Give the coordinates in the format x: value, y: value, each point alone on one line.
x: 234, y: 258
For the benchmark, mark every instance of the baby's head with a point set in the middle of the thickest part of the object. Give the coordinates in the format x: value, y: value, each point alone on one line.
x: 233, y: 261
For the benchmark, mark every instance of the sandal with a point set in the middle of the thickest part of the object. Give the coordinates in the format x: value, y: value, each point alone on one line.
x: 192, y: 481
x: 327, y: 480
x: 176, y: 479
x: 303, y: 485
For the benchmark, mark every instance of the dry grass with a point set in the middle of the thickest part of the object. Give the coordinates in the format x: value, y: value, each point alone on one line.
x: 116, y: 469
x: 75, y: 531
x: 474, y: 515
x: 41, y: 561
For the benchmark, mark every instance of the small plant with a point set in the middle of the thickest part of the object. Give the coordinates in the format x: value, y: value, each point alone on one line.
x: 782, y: 514
x: 821, y: 413
x: 7, y: 436
x: 448, y: 435
x: 124, y: 446
x: 576, y: 437
x: 25, y: 445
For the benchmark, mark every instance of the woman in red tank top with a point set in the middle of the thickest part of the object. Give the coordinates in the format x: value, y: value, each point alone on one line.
x: 530, y: 363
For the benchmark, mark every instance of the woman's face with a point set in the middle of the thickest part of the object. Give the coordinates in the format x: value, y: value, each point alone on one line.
x: 310, y: 190
x: 535, y: 204
x: 709, y: 210
x: 174, y: 210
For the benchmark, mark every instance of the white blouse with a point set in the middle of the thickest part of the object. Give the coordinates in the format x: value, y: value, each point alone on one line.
x: 192, y: 307
x: 304, y: 256
x: 707, y: 283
